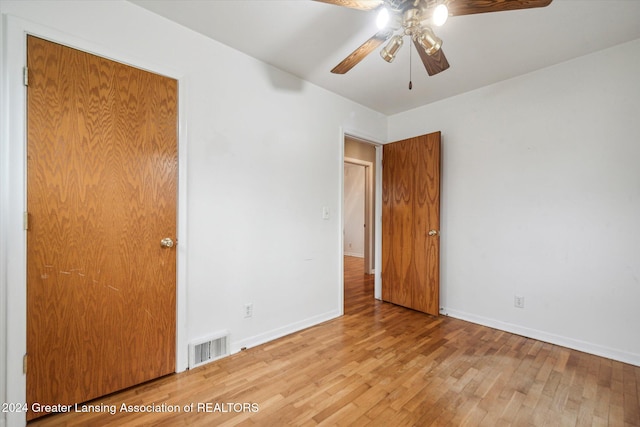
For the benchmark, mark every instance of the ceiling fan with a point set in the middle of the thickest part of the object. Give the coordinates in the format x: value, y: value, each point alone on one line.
x: 414, y: 19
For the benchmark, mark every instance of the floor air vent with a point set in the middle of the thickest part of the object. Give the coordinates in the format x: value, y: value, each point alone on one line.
x: 208, y: 349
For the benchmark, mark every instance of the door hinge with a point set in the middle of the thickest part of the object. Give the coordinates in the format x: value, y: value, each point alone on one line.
x: 25, y: 76
x: 26, y: 220
x: 24, y: 364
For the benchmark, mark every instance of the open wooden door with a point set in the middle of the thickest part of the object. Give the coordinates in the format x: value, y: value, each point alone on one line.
x: 411, y: 223
x: 101, y: 196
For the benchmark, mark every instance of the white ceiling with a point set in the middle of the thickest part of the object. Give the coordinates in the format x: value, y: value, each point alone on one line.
x: 308, y: 38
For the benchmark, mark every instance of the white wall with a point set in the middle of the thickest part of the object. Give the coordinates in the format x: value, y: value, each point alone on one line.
x: 541, y: 198
x: 354, y: 179
x: 263, y: 157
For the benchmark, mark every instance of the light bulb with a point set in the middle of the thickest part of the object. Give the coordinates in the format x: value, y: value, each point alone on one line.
x: 383, y: 18
x: 440, y: 15
x: 390, y: 50
x: 429, y: 41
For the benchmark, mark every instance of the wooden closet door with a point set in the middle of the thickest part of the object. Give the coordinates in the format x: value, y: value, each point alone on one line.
x: 101, y: 194
x: 411, y: 223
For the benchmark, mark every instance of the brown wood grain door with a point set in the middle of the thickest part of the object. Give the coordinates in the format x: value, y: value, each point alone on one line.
x: 101, y: 194
x: 411, y: 223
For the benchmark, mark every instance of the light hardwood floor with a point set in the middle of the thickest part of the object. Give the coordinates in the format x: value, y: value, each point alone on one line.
x: 381, y: 364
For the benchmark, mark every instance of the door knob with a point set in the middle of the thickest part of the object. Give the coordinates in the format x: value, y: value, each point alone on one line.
x: 433, y: 232
x: 167, y: 242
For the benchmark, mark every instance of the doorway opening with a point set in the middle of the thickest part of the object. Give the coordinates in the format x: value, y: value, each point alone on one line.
x: 355, y: 232
x: 359, y: 206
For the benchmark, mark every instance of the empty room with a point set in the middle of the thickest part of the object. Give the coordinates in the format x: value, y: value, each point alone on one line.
x: 320, y: 212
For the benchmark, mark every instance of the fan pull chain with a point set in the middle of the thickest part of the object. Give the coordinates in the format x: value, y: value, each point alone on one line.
x: 410, y: 82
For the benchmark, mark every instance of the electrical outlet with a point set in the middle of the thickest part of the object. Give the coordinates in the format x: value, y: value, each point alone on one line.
x: 518, y: 301
x: 248, y: 310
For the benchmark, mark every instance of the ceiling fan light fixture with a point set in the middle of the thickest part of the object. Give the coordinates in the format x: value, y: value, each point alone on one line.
x: 429, y: 41
x: 416, y: 19
x: 440, y: 15
x: 383, y: 18
x: 388, y: 53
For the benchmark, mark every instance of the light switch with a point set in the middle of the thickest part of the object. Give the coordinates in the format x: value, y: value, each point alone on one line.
x: 325, y: 212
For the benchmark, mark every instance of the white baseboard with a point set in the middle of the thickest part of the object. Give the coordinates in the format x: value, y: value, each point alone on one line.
x: 587, y: 347
x: 281, y: 332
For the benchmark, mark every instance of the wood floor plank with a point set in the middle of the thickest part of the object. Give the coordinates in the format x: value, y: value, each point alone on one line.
x: 381, y: 365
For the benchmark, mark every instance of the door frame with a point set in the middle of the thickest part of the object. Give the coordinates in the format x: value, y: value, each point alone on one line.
x: 377, y: 220
x: 13, y: 259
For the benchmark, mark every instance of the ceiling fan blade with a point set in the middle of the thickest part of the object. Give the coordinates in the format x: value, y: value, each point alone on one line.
x: 435, y: 63
x: 358, y: 55
x: 355, y: 4
x: 469, y: 7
